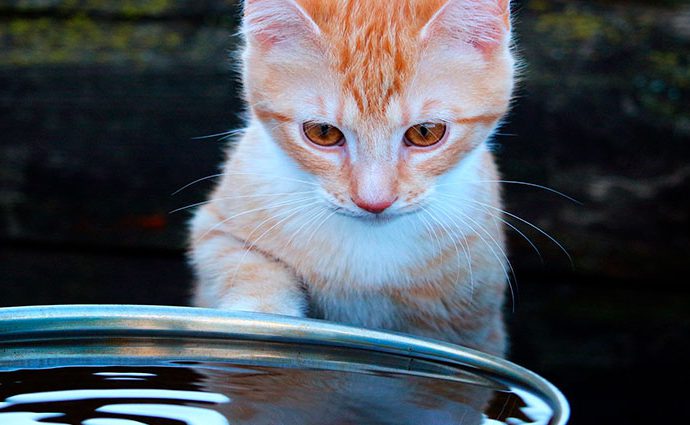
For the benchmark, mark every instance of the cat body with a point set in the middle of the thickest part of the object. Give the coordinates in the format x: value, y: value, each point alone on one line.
x: 362, y: 190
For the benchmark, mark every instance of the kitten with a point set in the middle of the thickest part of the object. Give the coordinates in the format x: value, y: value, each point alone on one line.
x: 362, y: 190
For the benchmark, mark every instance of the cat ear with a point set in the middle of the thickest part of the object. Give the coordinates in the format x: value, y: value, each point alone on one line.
x: 484, y: 24
x: 273, y: 22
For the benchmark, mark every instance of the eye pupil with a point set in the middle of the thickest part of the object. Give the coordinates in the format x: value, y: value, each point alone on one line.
x: 425, y: 134
x: 323, y: 134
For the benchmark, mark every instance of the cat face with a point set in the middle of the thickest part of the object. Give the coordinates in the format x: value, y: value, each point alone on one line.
x: 378, y: 99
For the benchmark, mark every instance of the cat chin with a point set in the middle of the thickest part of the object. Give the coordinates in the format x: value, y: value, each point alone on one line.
x: 378, y: 219
x: 373, y: 219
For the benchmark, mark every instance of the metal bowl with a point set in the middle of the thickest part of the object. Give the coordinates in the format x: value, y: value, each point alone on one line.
x: 43, y: 337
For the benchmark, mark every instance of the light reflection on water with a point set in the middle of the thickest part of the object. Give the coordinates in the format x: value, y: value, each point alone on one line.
x: 215, y: 394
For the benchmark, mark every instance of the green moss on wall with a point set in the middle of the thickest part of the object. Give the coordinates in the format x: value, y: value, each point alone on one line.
x: 82, y: 40
x: 636, y: 53
x: 125, y: 8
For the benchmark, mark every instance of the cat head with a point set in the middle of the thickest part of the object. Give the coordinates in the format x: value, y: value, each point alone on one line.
x: 375, y: 98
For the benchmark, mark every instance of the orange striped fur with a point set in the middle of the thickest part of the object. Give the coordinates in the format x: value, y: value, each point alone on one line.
x: 296, y: 228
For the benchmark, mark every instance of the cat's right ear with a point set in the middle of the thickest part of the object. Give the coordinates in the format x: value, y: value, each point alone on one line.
x: 278, y: 22
x: 483, y: 24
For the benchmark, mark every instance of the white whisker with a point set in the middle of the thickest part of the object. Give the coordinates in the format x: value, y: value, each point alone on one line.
x: 227, y: 198
x: 224, y: 134
x: 431, y: 231
x: 534, y: 226
x: 452, y: 238
x: 465, y: 246
x: 537, y: 228
x: 319, y: 226
x: 274, y: 205
x: 491, y: 248
x: 291, y: 212
x: 243, y: 174
x: 538, y: 186
x: 312, y: 219
x: 212, y: 176
x: 507, y: 223
x: 503, y: 253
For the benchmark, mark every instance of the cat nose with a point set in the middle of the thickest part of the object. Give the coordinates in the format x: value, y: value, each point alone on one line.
x: 373, y: 185
x: 376, y: 207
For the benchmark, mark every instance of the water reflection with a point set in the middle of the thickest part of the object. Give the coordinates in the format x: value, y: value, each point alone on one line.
x: 221, y: 394
x: 262, y: 396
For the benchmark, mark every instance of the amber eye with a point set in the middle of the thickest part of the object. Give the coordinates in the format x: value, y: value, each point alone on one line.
x: 425, y: 134
x: 323, y: 134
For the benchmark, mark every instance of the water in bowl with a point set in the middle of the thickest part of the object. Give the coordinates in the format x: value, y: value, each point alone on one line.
x: 211, y: 393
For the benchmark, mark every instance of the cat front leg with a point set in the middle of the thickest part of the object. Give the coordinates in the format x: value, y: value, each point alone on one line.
x: 232, y: 276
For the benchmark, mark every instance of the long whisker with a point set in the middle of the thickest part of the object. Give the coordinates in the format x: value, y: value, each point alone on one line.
x: 487, y: 233
x: 537, y: 228
x: 452, y: 238
x: 538, y: 186
x: 291, y: 212
x: 518, y: 231
x: 266, y: 220
x: 225, y: 133
x: 430, y: 230
x: 465, y: 247
x: 494, y: 253
x: 242, y: 174
x: 319, y: 226
x: 278, y: 176
x: 313, y: 219
x: 252, y: 244
x: 417, y: 231
x: 212, y: 176
x: 227, y: 198
x: 274, y: 205
x: 513, y: 293
x: 507, y: 223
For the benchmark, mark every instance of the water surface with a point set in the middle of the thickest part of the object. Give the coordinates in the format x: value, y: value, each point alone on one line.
x: 191, y: 393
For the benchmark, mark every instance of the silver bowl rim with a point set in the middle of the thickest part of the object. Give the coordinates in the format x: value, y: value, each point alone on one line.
x: 18, y: 323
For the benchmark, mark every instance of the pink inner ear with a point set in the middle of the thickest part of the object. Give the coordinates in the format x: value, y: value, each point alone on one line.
x: 270, y: 22
x: 483, y: 24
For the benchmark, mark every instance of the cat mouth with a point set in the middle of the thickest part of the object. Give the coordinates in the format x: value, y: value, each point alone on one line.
x: 371, y: 218
x: 378, y: 218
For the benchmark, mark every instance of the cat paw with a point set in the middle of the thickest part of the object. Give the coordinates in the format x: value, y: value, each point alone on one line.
x: 294, y: 309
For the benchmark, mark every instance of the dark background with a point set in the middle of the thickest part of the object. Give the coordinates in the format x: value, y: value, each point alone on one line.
x: 100, y: 101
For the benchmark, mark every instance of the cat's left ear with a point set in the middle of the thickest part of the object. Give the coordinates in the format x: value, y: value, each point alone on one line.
x: 278, y: 22
x: 483, y: 24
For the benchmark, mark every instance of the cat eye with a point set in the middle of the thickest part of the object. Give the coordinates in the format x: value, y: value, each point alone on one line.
x: 323, y: 134
x: 425, y: 134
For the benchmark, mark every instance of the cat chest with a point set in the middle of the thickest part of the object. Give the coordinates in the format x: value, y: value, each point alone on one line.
x: 372, y: 308
x: 355, y: 309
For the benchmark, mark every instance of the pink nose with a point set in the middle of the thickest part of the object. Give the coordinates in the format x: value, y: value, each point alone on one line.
x: 375, y: 207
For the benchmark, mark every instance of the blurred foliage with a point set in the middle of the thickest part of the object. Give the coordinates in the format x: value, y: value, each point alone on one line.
x: 81, y: 40
x: 644, y: 51
x: 125, y: 8
x: 148, y: 34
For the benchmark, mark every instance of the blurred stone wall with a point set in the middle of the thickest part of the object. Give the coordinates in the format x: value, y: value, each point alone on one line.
x: 604, y: 115
x: 100, y: 101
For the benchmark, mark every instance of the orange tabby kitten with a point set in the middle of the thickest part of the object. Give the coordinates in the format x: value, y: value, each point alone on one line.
x: 362, y: 190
